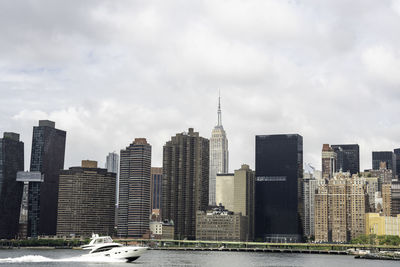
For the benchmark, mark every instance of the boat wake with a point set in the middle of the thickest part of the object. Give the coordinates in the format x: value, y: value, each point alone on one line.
x: 38, y: 258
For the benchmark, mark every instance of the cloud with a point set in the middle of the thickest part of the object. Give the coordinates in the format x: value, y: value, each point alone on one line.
x: 108, y: 72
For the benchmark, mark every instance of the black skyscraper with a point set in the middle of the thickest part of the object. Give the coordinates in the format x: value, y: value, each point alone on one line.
x: 48, y: 150
x: 384, y: 156
x: 279, y: 169
x: 11, y: 161
x: 348, y: 158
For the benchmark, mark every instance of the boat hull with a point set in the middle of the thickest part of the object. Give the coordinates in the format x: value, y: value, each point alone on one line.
x: 123, y: 253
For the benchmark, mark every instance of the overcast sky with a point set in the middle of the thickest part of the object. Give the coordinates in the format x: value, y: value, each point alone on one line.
x: 110, y: 71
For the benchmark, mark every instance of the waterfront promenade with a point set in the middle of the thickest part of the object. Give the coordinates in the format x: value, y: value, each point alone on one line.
x: 195, y: 245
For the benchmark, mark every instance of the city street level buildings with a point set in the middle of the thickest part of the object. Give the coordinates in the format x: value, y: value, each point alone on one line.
x: 220, y: 224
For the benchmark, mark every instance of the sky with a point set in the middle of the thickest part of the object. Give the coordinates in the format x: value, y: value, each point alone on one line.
x: 111, y: 71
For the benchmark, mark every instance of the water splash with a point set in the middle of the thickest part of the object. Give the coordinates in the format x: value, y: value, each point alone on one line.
x: 38, y: 258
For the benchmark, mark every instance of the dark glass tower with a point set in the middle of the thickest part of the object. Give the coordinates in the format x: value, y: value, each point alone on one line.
x: 47, y: 157
x: 156, y: 185
x: 348, y: 158
x: 384, y: 156
x: 278, y: 199
x: 11, y: 161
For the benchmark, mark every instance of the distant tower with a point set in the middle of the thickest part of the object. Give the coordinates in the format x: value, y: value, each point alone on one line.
x: 218, y: 154
x: 112, y: 161
x: 328, y: 161
x: 47, y: 157
x: 347, y: 158
x: 134, y: 189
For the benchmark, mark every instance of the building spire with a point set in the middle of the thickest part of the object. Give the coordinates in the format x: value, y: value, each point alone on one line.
x: 219, y: 110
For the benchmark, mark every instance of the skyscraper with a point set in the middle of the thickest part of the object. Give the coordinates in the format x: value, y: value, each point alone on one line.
x: 47, y: 157
x: 134, y: 189
x: 328, y: 161
x: 218, y: 154
x: 348, y: 158
x: 156, y: 188
x: 185, y: 181
x: 11, y: 161
x: 279, y: 170
x: 112, y: 161
x: 310, y: 184
x: 86, y: 201
x: 384, y: 156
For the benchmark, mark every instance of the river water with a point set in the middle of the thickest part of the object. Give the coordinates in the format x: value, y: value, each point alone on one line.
x: 76, y: 258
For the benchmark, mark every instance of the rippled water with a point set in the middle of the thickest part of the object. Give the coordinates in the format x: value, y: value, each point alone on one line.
x: 77, y: 258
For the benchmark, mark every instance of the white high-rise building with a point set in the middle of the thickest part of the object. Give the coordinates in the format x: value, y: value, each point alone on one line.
x: 112, y: 161
x: 218, y: 154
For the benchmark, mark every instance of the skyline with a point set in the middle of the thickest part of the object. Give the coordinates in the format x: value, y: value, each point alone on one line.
x: 110, y: 72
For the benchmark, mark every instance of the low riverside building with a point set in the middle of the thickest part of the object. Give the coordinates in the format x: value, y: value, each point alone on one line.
x: 220, y: 224
x: 86, y: 201
x: 162, y: 230
x: 378, y: 224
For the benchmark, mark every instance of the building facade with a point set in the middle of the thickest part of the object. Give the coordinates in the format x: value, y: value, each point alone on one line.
x: 221, y: 225
x: 395, y: 198
x: 219, y: 155
x: 386, y: 200
x: 47, y: 157
x: 278, y: 198
x: 236, y: 193
x: 162, y: 230
x: 347, y: 158
x: 377, y: 224
x: 185, y: 181
x: 328, y: 161
x: 340, y: 207
x: 11, y: 161
x: 225, y: 190
x: 86, y: 201
x: 156, y: 188
x: 134, y: 207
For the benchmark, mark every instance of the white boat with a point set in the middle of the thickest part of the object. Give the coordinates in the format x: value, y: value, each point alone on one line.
x: 104, y: 246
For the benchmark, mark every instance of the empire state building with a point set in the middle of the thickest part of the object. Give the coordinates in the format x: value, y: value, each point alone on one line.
x: 218, y: 154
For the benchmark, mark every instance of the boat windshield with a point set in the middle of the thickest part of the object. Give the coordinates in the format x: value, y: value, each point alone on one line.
x: 102, y: 240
